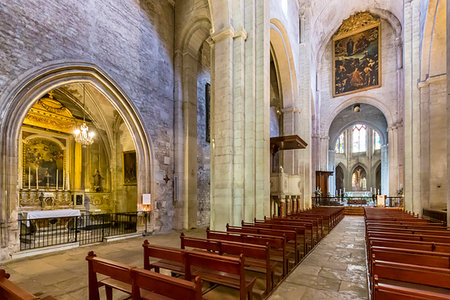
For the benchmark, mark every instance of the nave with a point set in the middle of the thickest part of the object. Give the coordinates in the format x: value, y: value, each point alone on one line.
x: 335, y: 269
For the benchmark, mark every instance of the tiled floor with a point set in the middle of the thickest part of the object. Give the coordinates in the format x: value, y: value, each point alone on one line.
x: 335, y: 269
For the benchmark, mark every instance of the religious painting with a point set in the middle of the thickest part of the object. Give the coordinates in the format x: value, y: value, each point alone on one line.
x: 356, y: 60
x: 42, y: 163
x: 359, y: 181
x: 129, y: 168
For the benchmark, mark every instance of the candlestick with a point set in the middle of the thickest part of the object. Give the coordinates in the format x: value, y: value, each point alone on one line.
x: 29, y: 177
x: 56, y: 179
x: 64, y: 180
x: 37, y: 178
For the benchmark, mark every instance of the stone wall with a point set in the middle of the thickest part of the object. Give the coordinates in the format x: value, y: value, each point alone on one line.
x: 131, y: 42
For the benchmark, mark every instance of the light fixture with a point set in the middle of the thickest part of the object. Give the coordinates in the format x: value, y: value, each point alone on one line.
x: 82, y: 134
x: 356, y: 108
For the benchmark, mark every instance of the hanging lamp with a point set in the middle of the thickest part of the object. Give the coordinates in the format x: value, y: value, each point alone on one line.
x: 82, y: 134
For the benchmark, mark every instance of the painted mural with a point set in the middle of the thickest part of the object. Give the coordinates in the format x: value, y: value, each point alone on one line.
x: 356, y: 61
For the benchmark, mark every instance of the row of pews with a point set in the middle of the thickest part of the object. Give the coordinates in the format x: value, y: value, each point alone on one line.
x: 408, y: 257
x: 251, y: 259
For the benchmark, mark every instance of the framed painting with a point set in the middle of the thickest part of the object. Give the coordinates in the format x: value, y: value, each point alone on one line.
x: 129, y: 168
x: 357, y: 60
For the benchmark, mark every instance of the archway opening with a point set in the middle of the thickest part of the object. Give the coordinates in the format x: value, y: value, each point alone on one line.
x: 56, y: 171
x: 358, y: 137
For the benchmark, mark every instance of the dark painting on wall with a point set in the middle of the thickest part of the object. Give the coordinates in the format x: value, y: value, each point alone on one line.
x: 357, y: 61
x: 129, y: 168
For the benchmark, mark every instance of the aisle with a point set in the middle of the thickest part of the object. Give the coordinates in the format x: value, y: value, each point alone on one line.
x: 334, y: 270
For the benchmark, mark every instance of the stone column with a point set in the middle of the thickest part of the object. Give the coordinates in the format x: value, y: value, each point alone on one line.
x: 240, y: 158
x: 384, y: 169
x: 411, y: 46
x: 331, y: 164
x: 394, y: 183
x: 448, y: 117
x: 283, y: 206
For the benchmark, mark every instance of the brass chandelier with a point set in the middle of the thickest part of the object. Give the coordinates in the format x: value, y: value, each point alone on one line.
x: 82, y: 135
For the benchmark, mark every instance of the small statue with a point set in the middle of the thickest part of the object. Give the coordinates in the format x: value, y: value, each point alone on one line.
x: 97, y: 181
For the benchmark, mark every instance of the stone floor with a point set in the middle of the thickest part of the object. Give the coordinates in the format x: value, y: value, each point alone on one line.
x: 335, y: 269
x: 64, y: 274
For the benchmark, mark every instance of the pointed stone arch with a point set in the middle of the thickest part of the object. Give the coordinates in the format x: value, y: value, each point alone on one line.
x: 17, y: 101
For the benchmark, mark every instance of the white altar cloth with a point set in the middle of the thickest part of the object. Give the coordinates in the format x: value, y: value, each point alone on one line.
x: 57, y: 213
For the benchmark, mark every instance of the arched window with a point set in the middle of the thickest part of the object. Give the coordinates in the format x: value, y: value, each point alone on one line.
x: 376, y: 141
x: 340, y: 144
x: 359, y: 134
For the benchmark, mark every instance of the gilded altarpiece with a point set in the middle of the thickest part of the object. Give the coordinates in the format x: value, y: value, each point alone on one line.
x: 50, y: 160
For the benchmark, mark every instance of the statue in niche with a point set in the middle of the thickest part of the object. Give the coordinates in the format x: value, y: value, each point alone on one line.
x: 97, y: 181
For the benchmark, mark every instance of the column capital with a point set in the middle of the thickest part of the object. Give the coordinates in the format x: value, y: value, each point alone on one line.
x: 223, y: 34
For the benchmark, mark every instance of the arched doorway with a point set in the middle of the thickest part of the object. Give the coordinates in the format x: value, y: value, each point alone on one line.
x: 20, y: 101
x: 339, y: 179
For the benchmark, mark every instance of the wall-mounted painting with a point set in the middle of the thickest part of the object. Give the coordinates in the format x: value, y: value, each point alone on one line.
x: 129, y: 168
x: 356, y: 60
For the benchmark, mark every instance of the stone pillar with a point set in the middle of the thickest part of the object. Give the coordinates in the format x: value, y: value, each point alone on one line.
x: 283, y: 206
x: 240, y: 158
x: 384, y: 169
x: 332, y: 179
x: 448, y: 117
x: 411, y: 46
x: 394, y: 183
x: 289, y: 204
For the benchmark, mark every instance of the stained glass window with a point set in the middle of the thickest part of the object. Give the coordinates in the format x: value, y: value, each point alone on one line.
x: 340, y: 144
x: 359, y: 134
x: 376, y: 140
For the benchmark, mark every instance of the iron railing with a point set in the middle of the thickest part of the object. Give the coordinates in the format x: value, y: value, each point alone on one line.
x: 85, y: 229
x: 356, y: 201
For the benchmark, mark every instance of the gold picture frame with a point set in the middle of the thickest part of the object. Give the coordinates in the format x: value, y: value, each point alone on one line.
x: 129, y: 168
x: 357, y: 60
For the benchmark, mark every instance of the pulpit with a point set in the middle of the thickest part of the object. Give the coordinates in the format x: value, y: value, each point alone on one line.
x: 285, y: 189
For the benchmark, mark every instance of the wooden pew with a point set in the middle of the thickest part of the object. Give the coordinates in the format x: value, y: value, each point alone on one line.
x: 408, y: 244
x: 277, y: 244
x: 257, y: 258
x: 314, y: 231
x: 213, y: 268
x: 155, y: 285
x: 11, y: 291
x: 299, y: 229
x: 118, y: 276
x: 395, y: 292
x: 418, y: 278
x: 130, y: 280
x: 290, y: 235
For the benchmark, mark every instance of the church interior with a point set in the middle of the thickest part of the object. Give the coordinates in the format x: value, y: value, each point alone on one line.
x: 224, y: 149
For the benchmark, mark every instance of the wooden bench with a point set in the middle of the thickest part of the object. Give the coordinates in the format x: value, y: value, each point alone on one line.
x: 277, y: 244
x: 408, y: 244
x: 299, y: 229
x: 420, y: 279
x: 213, y: 268
x: 11, y: 291
x: 290, y: 235
x: 156, y: 285
x: 118, y: 276
x: 257, y: 258
x: 130, y: 280
x: 315, y: 231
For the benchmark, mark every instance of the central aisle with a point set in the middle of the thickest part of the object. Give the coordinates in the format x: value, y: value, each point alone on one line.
x: 335, y: 269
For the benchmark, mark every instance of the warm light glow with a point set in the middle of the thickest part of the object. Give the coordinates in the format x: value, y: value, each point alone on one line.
x: 83, y: 136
